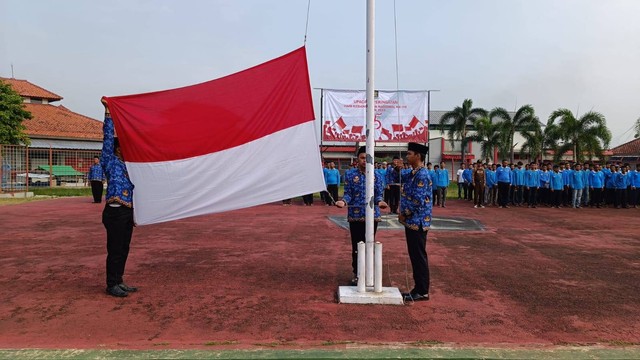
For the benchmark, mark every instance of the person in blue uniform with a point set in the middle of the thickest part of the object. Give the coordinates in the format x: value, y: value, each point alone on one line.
x: 532, y: 184
x: 443, y: 183
x: 518, y: 184
x: 117, y: 215
x: 557, y: 186
x: 634, y: 180
x: 354, y: 198
x: 415, y: 215
x: 577, y: 186
x: 332, y: 179
x: 96, y: 178
x: 503, y: 177
x: 393, y: 184
x: 596, y: 185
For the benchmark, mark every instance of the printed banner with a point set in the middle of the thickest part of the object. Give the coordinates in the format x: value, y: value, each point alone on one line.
x: 400, y: 116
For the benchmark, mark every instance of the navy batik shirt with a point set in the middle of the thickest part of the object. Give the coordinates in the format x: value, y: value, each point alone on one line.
x: 355, y: 194
x: 119, y: 187
x: 415, y: 202
x: 96, y: 173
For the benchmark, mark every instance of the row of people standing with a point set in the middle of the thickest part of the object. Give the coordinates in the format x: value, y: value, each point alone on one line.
x: 572, y: 185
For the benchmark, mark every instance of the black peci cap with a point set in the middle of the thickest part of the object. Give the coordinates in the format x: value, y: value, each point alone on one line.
x: 419, y: 148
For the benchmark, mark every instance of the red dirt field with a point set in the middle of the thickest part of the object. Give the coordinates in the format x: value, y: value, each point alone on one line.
x: 267, y: 276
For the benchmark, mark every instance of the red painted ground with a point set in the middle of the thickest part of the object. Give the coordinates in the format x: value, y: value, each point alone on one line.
x: 268, y: 275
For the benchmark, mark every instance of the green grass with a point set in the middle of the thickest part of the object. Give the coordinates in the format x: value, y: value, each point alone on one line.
x: 61, y: 191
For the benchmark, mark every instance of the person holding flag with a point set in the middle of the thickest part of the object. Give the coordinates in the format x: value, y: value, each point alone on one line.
x: 354, y: 198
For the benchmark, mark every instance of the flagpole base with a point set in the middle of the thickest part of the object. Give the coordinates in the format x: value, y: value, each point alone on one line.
x: 388, y: 296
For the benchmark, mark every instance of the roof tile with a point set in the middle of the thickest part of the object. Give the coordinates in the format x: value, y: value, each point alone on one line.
x: 27, y: 89
x: 60, y: 122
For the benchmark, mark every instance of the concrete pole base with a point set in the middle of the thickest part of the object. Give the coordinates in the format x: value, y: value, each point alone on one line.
x: 388, y: 296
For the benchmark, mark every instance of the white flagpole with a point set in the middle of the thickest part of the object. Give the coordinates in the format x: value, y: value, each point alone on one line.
x: 370, y: 141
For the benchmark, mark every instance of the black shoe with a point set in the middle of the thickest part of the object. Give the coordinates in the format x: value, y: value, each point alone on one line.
x: 415, y: 297
x: 127, y: 288
x: 116, y: 291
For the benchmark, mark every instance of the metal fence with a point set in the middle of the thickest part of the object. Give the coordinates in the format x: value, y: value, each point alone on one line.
x: 22, y: 167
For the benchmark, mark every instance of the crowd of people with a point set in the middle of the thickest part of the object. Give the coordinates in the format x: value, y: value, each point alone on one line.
x: 546, y: 184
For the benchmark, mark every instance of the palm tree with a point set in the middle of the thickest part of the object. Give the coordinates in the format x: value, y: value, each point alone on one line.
x: 461, y: 117
x: 636, y: 127
x: 589, y: 133
x: 533, y: 141
x: 524, y: 118
x: 490, y: 137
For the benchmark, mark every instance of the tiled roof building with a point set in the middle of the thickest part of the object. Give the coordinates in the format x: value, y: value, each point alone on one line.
x: 55, y: 126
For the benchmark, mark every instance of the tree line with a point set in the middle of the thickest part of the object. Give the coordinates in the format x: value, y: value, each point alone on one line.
x: 587, y: 136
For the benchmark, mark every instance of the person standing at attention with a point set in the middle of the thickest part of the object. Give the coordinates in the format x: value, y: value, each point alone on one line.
x: 96, y: 177
x: 415, y: 215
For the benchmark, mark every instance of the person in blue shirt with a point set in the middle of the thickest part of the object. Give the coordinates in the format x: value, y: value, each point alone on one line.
x: 577, y: 185
x: 544, y: 188
x: 566, y: 180
x: 117, y: 215
x: 532, y: 184
x: 518, y: 184
x: 415, y: 215
x: 393, y: 184
x: 492, y: 184
x: 503, y: 176
x: 586, y: 192
x: 634, y: 181
x: 467, y: 177
x: 354, y: 198
x: 332, y: 179
x: 609, y: 185
x: 96, y: 178
x: 557, y: 186
x: 620, y: 181
x: 443, y: 183
x: 434, y: 183
x: 596, y: 185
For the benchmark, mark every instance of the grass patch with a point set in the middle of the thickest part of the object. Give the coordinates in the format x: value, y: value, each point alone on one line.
x: 62, y: 191
x: 336, y: 342
x: 219, y: 343
x: 426, y: 343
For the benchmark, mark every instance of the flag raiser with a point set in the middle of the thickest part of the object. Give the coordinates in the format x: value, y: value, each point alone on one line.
x: 242, y: 140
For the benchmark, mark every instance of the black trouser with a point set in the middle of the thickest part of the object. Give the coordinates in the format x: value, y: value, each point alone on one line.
x: 394, y: 198
x: 503, y: 193
x: 307, y: 199
x: 621, y: 198
x: 333, y: 191
x: 357, y: 230
x: 596, y: 196
x: 634, y: 199
x: 543, y: 197
x: 417, y: 247
x: 470, y: 190
x: 460, y: 187
x: 533, y: 192
x: 465, y: 189
x: 493, y: 194
x: 609, y: 196
x: 518, y: 194
x: 442, y: 194
x: 96, y: 190
x: 478, y: 195
x: 119, y: 224
x: 556, y: 197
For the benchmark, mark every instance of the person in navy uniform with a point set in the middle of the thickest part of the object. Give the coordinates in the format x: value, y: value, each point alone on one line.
x: 415, y: 215
x: 117, y: 216
x: 393, y: 184
x: 354, y: 198
x: 96, y: 178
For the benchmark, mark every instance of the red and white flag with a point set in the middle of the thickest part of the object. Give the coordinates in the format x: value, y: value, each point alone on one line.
x: 238, y: 141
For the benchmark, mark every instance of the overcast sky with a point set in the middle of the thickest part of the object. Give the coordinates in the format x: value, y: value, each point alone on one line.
x: 579, y: 54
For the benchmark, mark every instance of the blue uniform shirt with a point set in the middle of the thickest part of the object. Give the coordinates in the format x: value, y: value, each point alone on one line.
x: 635, y: 179
x: 490, y: 176
x: 585, y: 178
x: 620, y: 180
x: 119, y: 187
x: 332, y: 176
x: 609, y: 182
x: 545, y: 178
x: 518, y: 176
x: 355, y: 183
x: 566, y: 177
x: 503, y: 174
x: 415, y: 201
x: 443, y: 177
x: 393, y: 177
x: 577, y: 181
x: 596, y: 179
x: 532, y: 178
x: 467, y: 175
x: 556, y: 181
x: 95, y: 173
